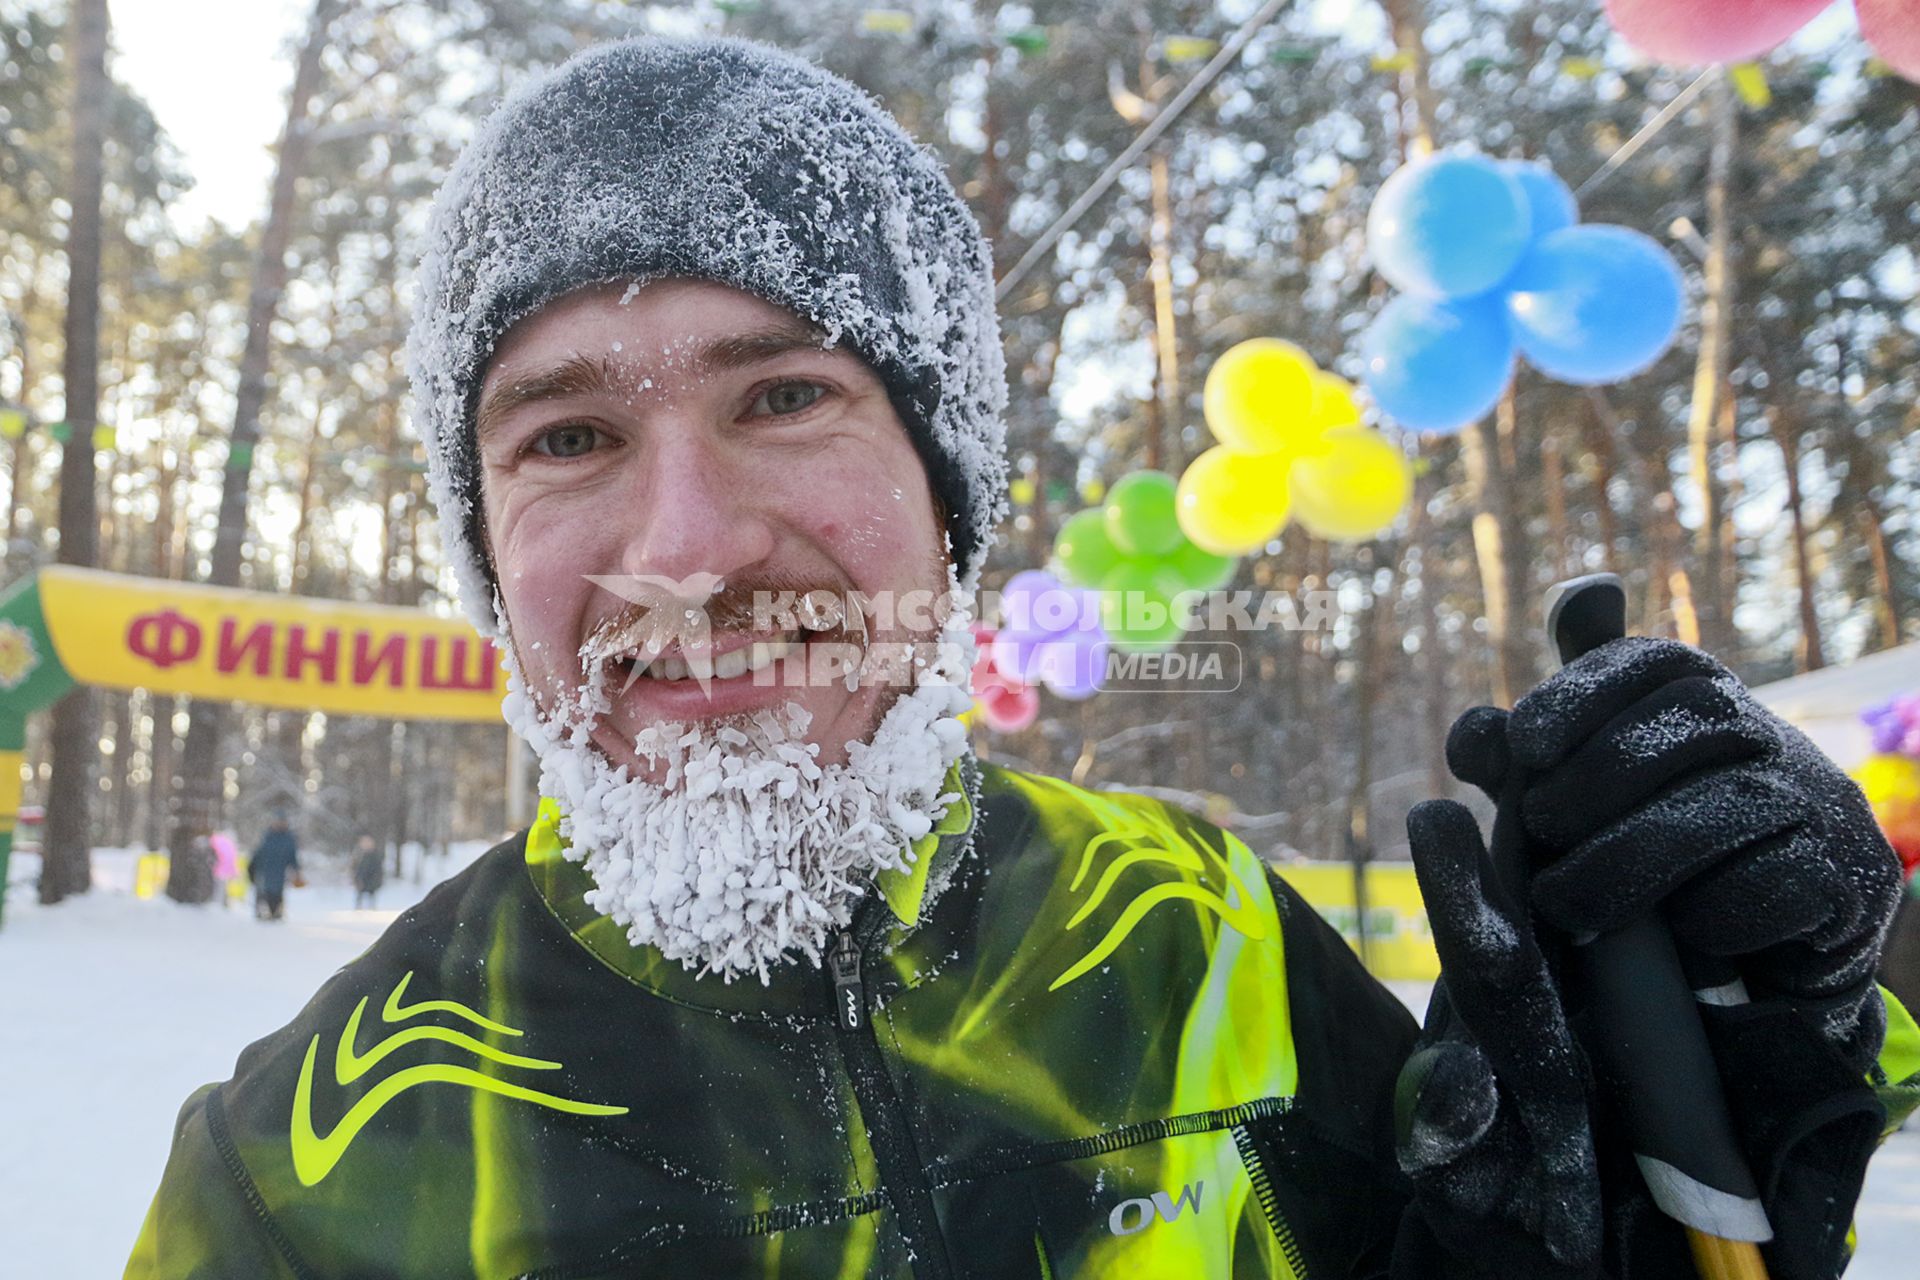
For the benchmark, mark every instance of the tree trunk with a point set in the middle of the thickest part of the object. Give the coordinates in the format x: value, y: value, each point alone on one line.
x: 1553, y: 478
x: 1808, y: 654
x: 1367, y: 682
x: 1498, y: 552
x: 1437, y: 713
x: 1886, y: 597
x: 200, y: 765
x: 67, y: 866
x: 129, y: 709
x: 160, y: 786
x: 1600, y: 445
x: 22, y: 328
x: 1409, y: 25
x: 1710, y: 372
x: 1166, y: 340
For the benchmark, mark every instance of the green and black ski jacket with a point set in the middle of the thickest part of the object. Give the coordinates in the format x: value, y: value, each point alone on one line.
x: 1114, y: 1046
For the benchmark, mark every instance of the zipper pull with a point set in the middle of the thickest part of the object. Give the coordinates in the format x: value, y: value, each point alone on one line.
x: 849, y: 998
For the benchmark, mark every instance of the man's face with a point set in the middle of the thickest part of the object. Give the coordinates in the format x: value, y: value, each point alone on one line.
x: 684, y: 429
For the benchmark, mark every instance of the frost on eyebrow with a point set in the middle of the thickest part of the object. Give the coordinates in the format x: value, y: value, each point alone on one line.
x: 719, y: 160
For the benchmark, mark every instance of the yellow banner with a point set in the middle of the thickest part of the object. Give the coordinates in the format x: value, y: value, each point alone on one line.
x: 277, y: 651
x: 1399, y: 940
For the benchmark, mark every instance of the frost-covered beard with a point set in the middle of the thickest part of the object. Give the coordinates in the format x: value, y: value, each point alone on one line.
x: 749, y: 851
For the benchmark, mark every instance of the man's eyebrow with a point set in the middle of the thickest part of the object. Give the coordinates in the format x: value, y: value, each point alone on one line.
x: 580, y: 375
x: 575, y: 376
x: 741, y: 350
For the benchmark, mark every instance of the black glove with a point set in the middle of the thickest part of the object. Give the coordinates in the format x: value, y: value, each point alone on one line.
x: 1491, y: 1110
x: 1656, y: 781
x: 1648, y: 779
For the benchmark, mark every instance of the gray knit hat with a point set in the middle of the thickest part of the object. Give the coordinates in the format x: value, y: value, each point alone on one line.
x: 727, y: 161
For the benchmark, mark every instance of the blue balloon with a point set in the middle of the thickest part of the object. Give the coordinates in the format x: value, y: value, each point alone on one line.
x: 1550, y: 202
x: 1449, y: 227
x: 1595, y: 304
x: 1437, y: 366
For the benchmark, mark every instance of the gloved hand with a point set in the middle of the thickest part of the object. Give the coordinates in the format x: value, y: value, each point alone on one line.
x: 1491, y: 1110
x: 1646, y: 778
x: 1653, y: 779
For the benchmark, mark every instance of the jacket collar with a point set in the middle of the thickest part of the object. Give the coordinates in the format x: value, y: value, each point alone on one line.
x: 795, y: 988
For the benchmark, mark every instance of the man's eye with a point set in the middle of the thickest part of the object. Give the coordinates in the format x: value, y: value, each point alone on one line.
x: 570, y: 441
x: 787, y: 397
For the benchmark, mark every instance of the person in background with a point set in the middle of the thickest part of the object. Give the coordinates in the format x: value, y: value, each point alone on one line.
x: 369, y: 871
x: 226, y: 864
x: 275, y: 860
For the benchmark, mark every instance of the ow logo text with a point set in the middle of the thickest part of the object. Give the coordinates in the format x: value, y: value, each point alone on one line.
x: 1131, y: 1216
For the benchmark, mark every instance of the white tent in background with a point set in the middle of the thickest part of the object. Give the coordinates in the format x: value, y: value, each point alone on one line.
x: 1826, y: 704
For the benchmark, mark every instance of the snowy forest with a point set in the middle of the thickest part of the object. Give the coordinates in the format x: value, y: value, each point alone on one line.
x: 1757, y: 489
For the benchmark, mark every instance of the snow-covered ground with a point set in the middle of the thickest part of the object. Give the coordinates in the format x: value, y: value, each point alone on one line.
x: 113, y: 1009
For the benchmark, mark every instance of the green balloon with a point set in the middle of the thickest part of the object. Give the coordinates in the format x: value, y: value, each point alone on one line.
x: 1201, y: 570
x: 1136, y: 605
x: 1141, y: 517
x: 1085, y: 553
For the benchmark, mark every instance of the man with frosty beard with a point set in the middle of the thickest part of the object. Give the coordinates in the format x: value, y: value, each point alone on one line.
x: 783, y: 982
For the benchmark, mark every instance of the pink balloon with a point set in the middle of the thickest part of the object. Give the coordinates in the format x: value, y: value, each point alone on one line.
x: 994, y: 682
x: 1892, y: 27
x: 984, y: 667
x: 1691, y: 31
x: 1009, y: 710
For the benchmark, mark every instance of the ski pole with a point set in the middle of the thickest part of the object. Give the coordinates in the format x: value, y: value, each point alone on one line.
x: 1647, y: 1033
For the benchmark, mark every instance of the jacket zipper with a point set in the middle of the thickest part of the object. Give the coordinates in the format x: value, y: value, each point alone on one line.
x: 902, y: 1173
x: 1256, y: 1165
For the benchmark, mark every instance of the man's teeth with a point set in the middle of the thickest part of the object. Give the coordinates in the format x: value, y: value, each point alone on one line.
x: 735, y: 662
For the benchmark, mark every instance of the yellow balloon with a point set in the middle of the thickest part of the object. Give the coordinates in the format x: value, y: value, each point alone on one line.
x: 1352, y: 484
x: 1259, y: 396
x: 1889, y: 780
x: 1333, y: 402
x: 1232, y: 503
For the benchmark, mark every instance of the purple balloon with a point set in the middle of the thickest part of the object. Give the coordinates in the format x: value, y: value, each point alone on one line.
x: 1074, y: 664
x: 1035, y: 601
x: 1087, y: 600
x: 1888, y: 729
x: 1016, y: 652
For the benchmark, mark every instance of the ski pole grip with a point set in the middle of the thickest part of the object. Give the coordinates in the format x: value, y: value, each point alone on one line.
x: 1647, y: 1038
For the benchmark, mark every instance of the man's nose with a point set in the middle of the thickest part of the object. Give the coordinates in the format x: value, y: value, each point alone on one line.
x: 695, y: 512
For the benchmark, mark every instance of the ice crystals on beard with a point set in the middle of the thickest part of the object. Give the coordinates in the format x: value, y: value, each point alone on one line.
x: 750, y: 851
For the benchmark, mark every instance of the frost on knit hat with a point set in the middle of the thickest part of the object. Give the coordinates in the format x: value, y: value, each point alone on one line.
x: 732, y: 162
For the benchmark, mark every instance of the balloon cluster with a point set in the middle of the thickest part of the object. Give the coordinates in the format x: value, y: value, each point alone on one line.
x: 1891, y: 778
x: 1004, y: 701
x: 1694, y: 31
x: 1892, y: 787
x: 1050, y: 634
x: 1895, y: 725
x: 1291, y: 446
x: 1132, y: 550
x: 1493, y: 263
